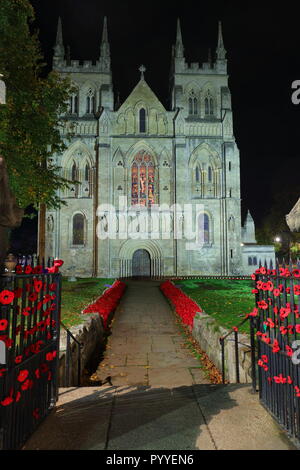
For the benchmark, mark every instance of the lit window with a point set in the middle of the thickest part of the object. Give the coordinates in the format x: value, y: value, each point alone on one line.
x: 143, y: 180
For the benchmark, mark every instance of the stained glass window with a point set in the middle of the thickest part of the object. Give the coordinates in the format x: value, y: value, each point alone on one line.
x: 143, y: 180
x: 78, y: 229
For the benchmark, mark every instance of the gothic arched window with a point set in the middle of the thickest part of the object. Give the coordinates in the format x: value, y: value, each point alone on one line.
x: 142, y: 116
x: 193, y: 104
x: 197, y: 174
x: 73, y: 104
x: 206, y: 229
x: 74, y: 172
x: 209, y: 175
x: 209, y: 105
x: 78, y: 230
x: 143, y: 180
x: 90, y: 102
x: 87, y: 172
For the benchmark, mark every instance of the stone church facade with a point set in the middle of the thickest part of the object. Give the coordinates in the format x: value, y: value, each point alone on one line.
x: 151, y: 158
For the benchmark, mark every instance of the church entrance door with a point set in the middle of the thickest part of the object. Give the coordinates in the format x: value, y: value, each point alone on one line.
x: 141, y: 264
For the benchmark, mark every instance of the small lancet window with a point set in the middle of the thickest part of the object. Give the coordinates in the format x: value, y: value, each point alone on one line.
x: 87, y: 172
x: 209, y: 105
x: 204, y: 228
x: 74, y: 172
x: 197, y: 174
x: 90, y: 102
x: 193, y: 104
x: 142, y: 116
x: 209, y: 174
x: 73, y: 104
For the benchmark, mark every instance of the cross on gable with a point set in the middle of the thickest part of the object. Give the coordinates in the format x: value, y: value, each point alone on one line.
x: 142, y: 69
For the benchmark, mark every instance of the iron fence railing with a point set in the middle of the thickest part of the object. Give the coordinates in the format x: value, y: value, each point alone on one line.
x: 278, y: 337
x: 29, y: 324
x: 274, y: 343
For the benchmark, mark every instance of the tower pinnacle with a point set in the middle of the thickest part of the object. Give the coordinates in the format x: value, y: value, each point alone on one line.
x: 179, y: 49
x: 221, y: 51
x: 59, y: 50
x: 104, y: 48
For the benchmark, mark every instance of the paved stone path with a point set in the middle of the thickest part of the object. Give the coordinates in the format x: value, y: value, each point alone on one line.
x: 146, y: 347
x: 160, y: 398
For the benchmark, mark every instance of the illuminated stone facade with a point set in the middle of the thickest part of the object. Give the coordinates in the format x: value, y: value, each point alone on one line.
x: 154, y: 158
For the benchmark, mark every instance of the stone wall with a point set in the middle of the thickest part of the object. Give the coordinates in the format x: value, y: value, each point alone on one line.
x: 92, y: 337
x: 207, y: 333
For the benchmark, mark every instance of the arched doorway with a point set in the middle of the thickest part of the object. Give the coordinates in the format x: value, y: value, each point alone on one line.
x: 141, y: 265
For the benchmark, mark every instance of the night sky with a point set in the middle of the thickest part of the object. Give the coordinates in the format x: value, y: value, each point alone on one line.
x: 263, y: 52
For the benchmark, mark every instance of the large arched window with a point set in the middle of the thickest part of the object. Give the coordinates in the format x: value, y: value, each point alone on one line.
x: 78, y: 230
x: 142, y: 120
x: 143, y: 180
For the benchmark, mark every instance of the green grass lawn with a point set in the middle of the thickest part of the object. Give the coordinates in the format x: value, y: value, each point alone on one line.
x: 228, y: 301
x: 77, y: 295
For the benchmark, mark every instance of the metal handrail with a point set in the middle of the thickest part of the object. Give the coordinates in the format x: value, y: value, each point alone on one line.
x: 68, y: 355
x: 235, y: 331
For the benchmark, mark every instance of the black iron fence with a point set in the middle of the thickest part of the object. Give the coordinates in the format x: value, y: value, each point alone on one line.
x: 277, y: 323
x: 274, y: 343
x: 29, y: 351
